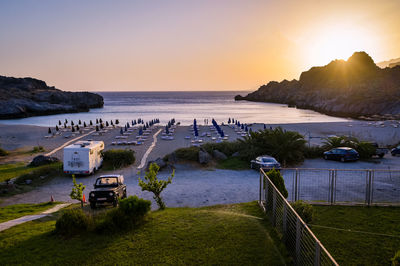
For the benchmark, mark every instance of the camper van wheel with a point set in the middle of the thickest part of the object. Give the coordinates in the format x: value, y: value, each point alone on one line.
x: 93, y: 205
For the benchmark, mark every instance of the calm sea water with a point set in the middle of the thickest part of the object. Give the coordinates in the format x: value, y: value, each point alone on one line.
x: 184, y: 107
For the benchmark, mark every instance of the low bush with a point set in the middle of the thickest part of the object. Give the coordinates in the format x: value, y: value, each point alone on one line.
x: 189, y: 154
x: 313, y: 152
x: 118, y: 158
x: 233, y: 163
x: 129, y: 213
x: 3, y: 152
x: 396, y: 259
x: 364, y: 148
x: 37, y: 149
x: 226, y: 147
x: 305, y: 210
x: 73, y: 222
x: 276, y: 177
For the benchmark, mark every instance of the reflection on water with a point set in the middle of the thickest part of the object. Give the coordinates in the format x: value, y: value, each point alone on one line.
x: 183, y: 106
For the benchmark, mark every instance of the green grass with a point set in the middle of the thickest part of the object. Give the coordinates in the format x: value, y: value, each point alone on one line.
x: 356, y: 248
x: 233, y: 163
x: 220, y: 235
x: 18, y: 210
x: 8, y: 171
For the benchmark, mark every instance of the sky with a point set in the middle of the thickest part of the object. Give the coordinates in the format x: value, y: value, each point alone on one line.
x: 187, y: 45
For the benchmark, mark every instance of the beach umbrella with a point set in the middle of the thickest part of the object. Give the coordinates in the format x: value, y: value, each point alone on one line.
x: 125, y: 128
x: 91, y: 123
x: 222, y: 134
x: 147, y: 124
x: 57, y: 128
x: 66, y: 121
x: 49, y: 131
x: 97, y: 128
x: 120, y: 131
x: 107, y: 124
x: 72, y: 123
x: 265, y: 126
x: 101, y: 125
x: 100, y: 120
x: 97, y: 121
x: 246, y: 129
x: 196, y: 133
x: 229, y: 120
x: 116, y: 121
x: 166, y: 130
x: 79, y: 122
x: 73, y: 129
x: 84, y: 124
x: 140, y: 131
x: 77, y: 127
x: 242, y: 126
x: 59, y: 122
x: 112, y: 123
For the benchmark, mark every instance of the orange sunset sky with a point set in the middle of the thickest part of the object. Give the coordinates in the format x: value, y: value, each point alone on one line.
x: 187, y: 45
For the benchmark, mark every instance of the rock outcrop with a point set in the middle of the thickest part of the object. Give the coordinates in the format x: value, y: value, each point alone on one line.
x: 352, y: 88
x: 23, y: 97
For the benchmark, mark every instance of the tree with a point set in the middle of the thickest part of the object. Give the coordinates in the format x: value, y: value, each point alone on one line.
x: 77, y: 191
x: 154, y: 185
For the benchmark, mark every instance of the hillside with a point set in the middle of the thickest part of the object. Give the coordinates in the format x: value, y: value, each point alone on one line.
x: 353, y: 88
x: 23, y: 97
x: 389, y: 63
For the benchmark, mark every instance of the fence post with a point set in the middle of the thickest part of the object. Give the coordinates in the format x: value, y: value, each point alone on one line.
x: 298, y: 240
x: 368, y: 188
x: 317, y: 257
x: 266, y: 188
x: 274, y: 207
x: 332, y: 185
x: 260, y: 197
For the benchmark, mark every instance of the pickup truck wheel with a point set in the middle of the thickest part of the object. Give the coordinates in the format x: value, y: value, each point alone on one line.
x: 93, y: 205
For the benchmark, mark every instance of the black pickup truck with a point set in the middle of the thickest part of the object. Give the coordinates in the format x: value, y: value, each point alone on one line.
x: 107, y: 189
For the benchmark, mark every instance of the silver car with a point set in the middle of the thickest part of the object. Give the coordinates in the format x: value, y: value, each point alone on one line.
x: 264, y: 161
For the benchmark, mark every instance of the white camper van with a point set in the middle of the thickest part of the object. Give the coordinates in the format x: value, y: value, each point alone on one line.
x: 83, y: 157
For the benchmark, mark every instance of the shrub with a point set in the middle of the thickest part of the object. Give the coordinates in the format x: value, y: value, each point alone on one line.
x: 3, y: 152
x: 119, y: 158
x: 129, y: 213
x: 396, y: 259
x: 313, y: 152
x: 37, y: 149
x: 286, y: 146
x: 365, y: 149
x: 73, y: 222
x: 134, y: 207
x: 276, y: 177
x: 305, y: 210
x: 190, y: 153
x: 226, y: 147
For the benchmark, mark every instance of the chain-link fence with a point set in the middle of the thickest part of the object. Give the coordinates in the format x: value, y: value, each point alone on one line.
x: 300, y: 242
x: 343, y: 186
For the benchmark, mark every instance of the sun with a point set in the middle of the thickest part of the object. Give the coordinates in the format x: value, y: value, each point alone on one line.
x: 337, y: 42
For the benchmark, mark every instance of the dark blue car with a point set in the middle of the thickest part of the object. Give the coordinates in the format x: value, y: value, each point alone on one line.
x: 342, y: 154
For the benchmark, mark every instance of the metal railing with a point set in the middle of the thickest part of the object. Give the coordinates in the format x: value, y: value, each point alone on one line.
x: 300, y: 241
x: 343, y: 186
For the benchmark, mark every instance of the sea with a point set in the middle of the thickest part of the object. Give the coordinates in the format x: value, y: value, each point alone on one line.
x: 184, y: 107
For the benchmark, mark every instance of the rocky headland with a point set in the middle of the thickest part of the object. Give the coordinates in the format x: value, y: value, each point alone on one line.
x: 355, y: 88
x: 24, y: 97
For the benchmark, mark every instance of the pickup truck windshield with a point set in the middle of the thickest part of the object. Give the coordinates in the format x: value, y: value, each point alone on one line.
x: 107, y: 182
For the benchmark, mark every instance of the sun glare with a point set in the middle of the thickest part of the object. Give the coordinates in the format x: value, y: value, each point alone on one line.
x: 337, y: 42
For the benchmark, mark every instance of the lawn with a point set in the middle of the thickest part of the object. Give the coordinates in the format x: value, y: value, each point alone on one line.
x: 8, y: 171
x: 225, y: 234
x: 18, y: 210
x: 371, y: 235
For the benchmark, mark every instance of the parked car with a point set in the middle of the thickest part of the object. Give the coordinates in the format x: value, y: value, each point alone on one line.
x: 380, y: 152
x: 395, y: 151
x: 264, y: 161
x: 107, y: 189
x: 342, y: 154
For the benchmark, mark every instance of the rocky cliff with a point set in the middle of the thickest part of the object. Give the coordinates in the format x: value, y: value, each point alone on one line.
x: 353, y: 88
x: 23, y: 97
